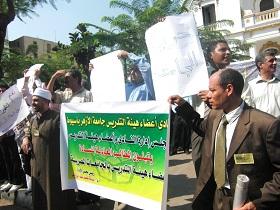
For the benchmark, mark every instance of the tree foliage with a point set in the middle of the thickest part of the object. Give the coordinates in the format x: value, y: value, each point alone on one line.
x: 20, y: 8
x: 14, y: 63
x: 214, y: 32
x: 83, y: 46
x: 32, y: 50
x: 128, y: 30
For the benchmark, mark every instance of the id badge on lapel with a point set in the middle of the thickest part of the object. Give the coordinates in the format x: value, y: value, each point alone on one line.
x: 244, y: 158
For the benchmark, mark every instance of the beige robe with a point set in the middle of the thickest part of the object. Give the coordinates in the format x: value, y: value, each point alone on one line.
x: 45, y: 165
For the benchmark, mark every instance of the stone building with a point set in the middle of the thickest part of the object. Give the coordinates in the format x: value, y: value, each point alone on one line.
x: 25, y: 43
x: 255, y: 21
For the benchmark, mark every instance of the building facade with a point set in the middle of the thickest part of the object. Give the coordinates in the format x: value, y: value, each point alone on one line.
x: 255, y: 21
x: 23, y: 45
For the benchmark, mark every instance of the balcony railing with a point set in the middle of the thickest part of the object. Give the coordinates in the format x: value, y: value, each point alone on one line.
x: 261, y: 17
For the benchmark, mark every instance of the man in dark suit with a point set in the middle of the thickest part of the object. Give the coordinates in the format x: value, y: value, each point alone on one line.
x: 252, y: 147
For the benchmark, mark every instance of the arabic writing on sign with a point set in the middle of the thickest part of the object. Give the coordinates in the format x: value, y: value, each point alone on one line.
x: 122, y: 139
x: 13, y: 109
x: 129, y: 169
x: 134, y: 156
x: 117, y: 149
x: 127, y: 121
x: 6, y: 101
x: 86, y: 177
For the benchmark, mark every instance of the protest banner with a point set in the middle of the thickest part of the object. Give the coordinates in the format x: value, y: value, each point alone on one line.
x: 32, y: 70
x: 176, y: 57
x: 107, y: 78
x: 111, y: 151
x: 27, y: 84
x: 13, y: 109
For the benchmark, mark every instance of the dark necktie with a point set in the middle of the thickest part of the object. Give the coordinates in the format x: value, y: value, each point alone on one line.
x: 220, y: 154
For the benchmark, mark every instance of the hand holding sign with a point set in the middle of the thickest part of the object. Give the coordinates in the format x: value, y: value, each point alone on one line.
x: 34, y: 70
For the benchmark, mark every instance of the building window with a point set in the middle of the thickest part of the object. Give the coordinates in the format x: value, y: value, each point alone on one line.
x: 209, y: 15
x: 266, y: 5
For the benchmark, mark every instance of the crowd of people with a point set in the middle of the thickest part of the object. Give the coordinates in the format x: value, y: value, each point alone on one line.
x: 39, y: 144
x: 231, y: 131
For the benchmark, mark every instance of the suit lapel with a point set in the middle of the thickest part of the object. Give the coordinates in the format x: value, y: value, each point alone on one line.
x: 240, y: 131
x: 216, y: 122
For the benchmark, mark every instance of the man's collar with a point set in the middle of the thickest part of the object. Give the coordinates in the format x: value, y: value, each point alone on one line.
x: 234, y: 114
x: 39, y: 114
x: 259, y: 79
x: 79, y: 91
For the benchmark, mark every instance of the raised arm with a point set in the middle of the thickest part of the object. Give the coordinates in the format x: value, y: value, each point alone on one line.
x: 145, y: 69
x: 56, y: 75
x: 187, y: 112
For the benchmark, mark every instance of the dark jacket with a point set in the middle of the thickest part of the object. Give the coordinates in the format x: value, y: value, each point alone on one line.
x: 256, y: 132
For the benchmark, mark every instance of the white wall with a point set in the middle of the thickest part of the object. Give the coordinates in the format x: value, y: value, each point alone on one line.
x: 198, y: 17
x: 247, y: 4
x: 230, y: 10
x: 225, y: 9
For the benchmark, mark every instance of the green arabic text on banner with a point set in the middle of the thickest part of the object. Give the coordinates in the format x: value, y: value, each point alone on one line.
x: 117, y: 153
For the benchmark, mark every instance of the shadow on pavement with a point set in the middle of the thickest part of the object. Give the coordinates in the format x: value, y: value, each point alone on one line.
x: 175, y: 183
x: 183, y: 207
x: 178, y: 162
x: 181, y: 186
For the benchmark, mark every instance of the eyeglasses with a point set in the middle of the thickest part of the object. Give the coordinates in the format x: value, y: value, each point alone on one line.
x: 272, y: 60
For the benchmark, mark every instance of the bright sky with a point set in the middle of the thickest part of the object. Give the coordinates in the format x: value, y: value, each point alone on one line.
x: 54, y: 25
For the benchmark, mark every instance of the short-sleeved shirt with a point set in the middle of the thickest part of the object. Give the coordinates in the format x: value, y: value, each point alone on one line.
x: 67, y: 96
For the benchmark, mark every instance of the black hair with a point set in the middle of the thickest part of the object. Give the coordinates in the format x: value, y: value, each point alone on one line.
x: 210, y: 48
x: 231, y: 76
x: 212, y: 45
x: 75, y: 73
x: 261, y: 57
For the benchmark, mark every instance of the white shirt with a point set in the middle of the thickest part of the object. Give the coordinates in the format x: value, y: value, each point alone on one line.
x: 67, y: 96
x: 232, y: 119
x: 264, y: 95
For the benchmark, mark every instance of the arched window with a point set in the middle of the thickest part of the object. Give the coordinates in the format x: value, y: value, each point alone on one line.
x: 266, y: 5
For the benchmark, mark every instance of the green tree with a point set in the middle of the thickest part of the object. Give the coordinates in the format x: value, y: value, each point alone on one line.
x: 14, y: 63
x: 11, y: 8
x: 128, y: 30
x: 83, y: 47
x: 212, y: 32
x: 32, y: 49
